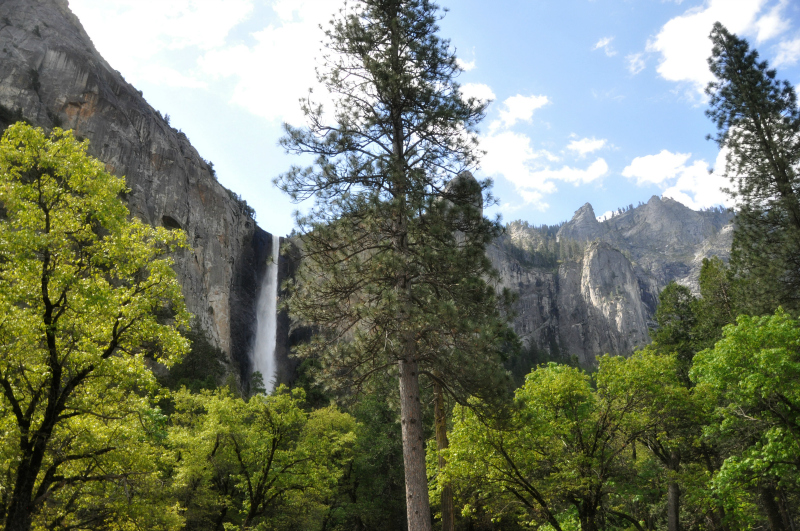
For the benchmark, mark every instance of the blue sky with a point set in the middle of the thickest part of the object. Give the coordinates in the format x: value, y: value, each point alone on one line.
x: 596, y: 101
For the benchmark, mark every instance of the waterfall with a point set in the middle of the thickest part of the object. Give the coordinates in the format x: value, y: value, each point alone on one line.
x: 262, y: 356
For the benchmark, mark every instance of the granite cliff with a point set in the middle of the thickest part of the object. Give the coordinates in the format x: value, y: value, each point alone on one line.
x: 51, y: 75
x: 592, y: 287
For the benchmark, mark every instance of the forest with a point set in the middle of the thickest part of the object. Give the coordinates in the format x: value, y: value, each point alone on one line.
x: 411, y: 408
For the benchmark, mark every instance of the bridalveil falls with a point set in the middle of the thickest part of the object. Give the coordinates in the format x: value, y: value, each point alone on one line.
x: 262, y: 357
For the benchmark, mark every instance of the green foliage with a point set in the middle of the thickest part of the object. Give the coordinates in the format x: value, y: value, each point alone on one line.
x: 562, y: 455
x: 371, y: 493
x: 753, y: 378
x: 717, y: 305
x: 264, y: 463
x: 203, y: 367
x: 676, y: 324
x: 81, y: 285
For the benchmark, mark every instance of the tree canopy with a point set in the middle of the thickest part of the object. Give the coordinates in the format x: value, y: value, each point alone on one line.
x: 88, y: 300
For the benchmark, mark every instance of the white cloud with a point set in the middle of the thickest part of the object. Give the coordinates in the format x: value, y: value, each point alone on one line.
x: 584, y: 146
x: 131, y: 33
x: 697, y: 188
x: 655, y: 169
x: 772, y: 24
x: 268, y: 80
x: 519, y: 108
x: 576, y: 176
x: 164, y: 75
x: 605, y: 215
x: 510, y: 155
x: 788, y: 53
x: 683, y: 42
x: 465, y: 65
x: 478, y: 91
x: 693, y: 185
x: 267, y: 77
x: 635, y: 63
x: 605, y: 45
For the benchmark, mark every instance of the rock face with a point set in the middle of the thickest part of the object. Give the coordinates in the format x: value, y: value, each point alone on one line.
x: 602, y: 299
x: 51, y: 75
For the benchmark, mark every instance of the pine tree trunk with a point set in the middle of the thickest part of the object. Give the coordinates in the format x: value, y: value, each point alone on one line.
x: 417, y: 502
x: 448, y: 511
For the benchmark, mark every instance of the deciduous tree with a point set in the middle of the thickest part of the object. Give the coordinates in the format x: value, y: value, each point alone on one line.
x: 261, y: 461
x: 753, y: 377
x: 87, y: 297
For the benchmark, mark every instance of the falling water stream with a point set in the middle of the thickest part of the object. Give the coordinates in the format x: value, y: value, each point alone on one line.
x: 263, y: 353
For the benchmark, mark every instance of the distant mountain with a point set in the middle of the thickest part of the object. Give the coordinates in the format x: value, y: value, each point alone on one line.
x: 590, y: 287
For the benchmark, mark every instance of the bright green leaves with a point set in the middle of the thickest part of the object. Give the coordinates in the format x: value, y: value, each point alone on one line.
x: 88, y: 299
x: 753, y: 374
x: 261, y: 460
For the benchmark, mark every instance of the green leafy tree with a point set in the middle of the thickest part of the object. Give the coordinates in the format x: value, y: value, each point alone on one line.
x: 758, y: 123
x: 393, y: 270
x: 81, y: 289
x: 562, y: 455
x: 753, y: 377
x: 264, y: 463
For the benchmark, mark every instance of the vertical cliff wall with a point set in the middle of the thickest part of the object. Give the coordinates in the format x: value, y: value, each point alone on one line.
x: 51, y: 75
x: 602, y: 299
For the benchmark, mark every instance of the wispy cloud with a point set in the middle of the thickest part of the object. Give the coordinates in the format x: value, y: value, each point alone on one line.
x: 788, y: 53
x: 478, y: 91
x: 605, y: 45
x: 584, y: 146
x: 466, y: 66
x: 772, y: 23
x: 534, y: 173
x: 635, y: 62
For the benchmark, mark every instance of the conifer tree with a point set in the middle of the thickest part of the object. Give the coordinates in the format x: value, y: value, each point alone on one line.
x: 758, y: 121
x: 394, y: 271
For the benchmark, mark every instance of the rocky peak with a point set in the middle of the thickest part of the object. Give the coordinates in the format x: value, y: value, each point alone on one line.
x: 582, y: 227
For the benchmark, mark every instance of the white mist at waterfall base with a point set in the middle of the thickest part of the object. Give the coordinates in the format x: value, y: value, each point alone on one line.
x: 262, y: 356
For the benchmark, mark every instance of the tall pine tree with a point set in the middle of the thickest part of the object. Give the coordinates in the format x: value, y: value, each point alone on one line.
x: 394, y: 271
x: 758, y: 121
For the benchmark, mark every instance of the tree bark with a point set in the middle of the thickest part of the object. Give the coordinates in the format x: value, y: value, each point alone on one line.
x: 448, y: 509
x: 773, y: 513
x: 673, y: 506
x: 20, y: 510
x: 417, y: 503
